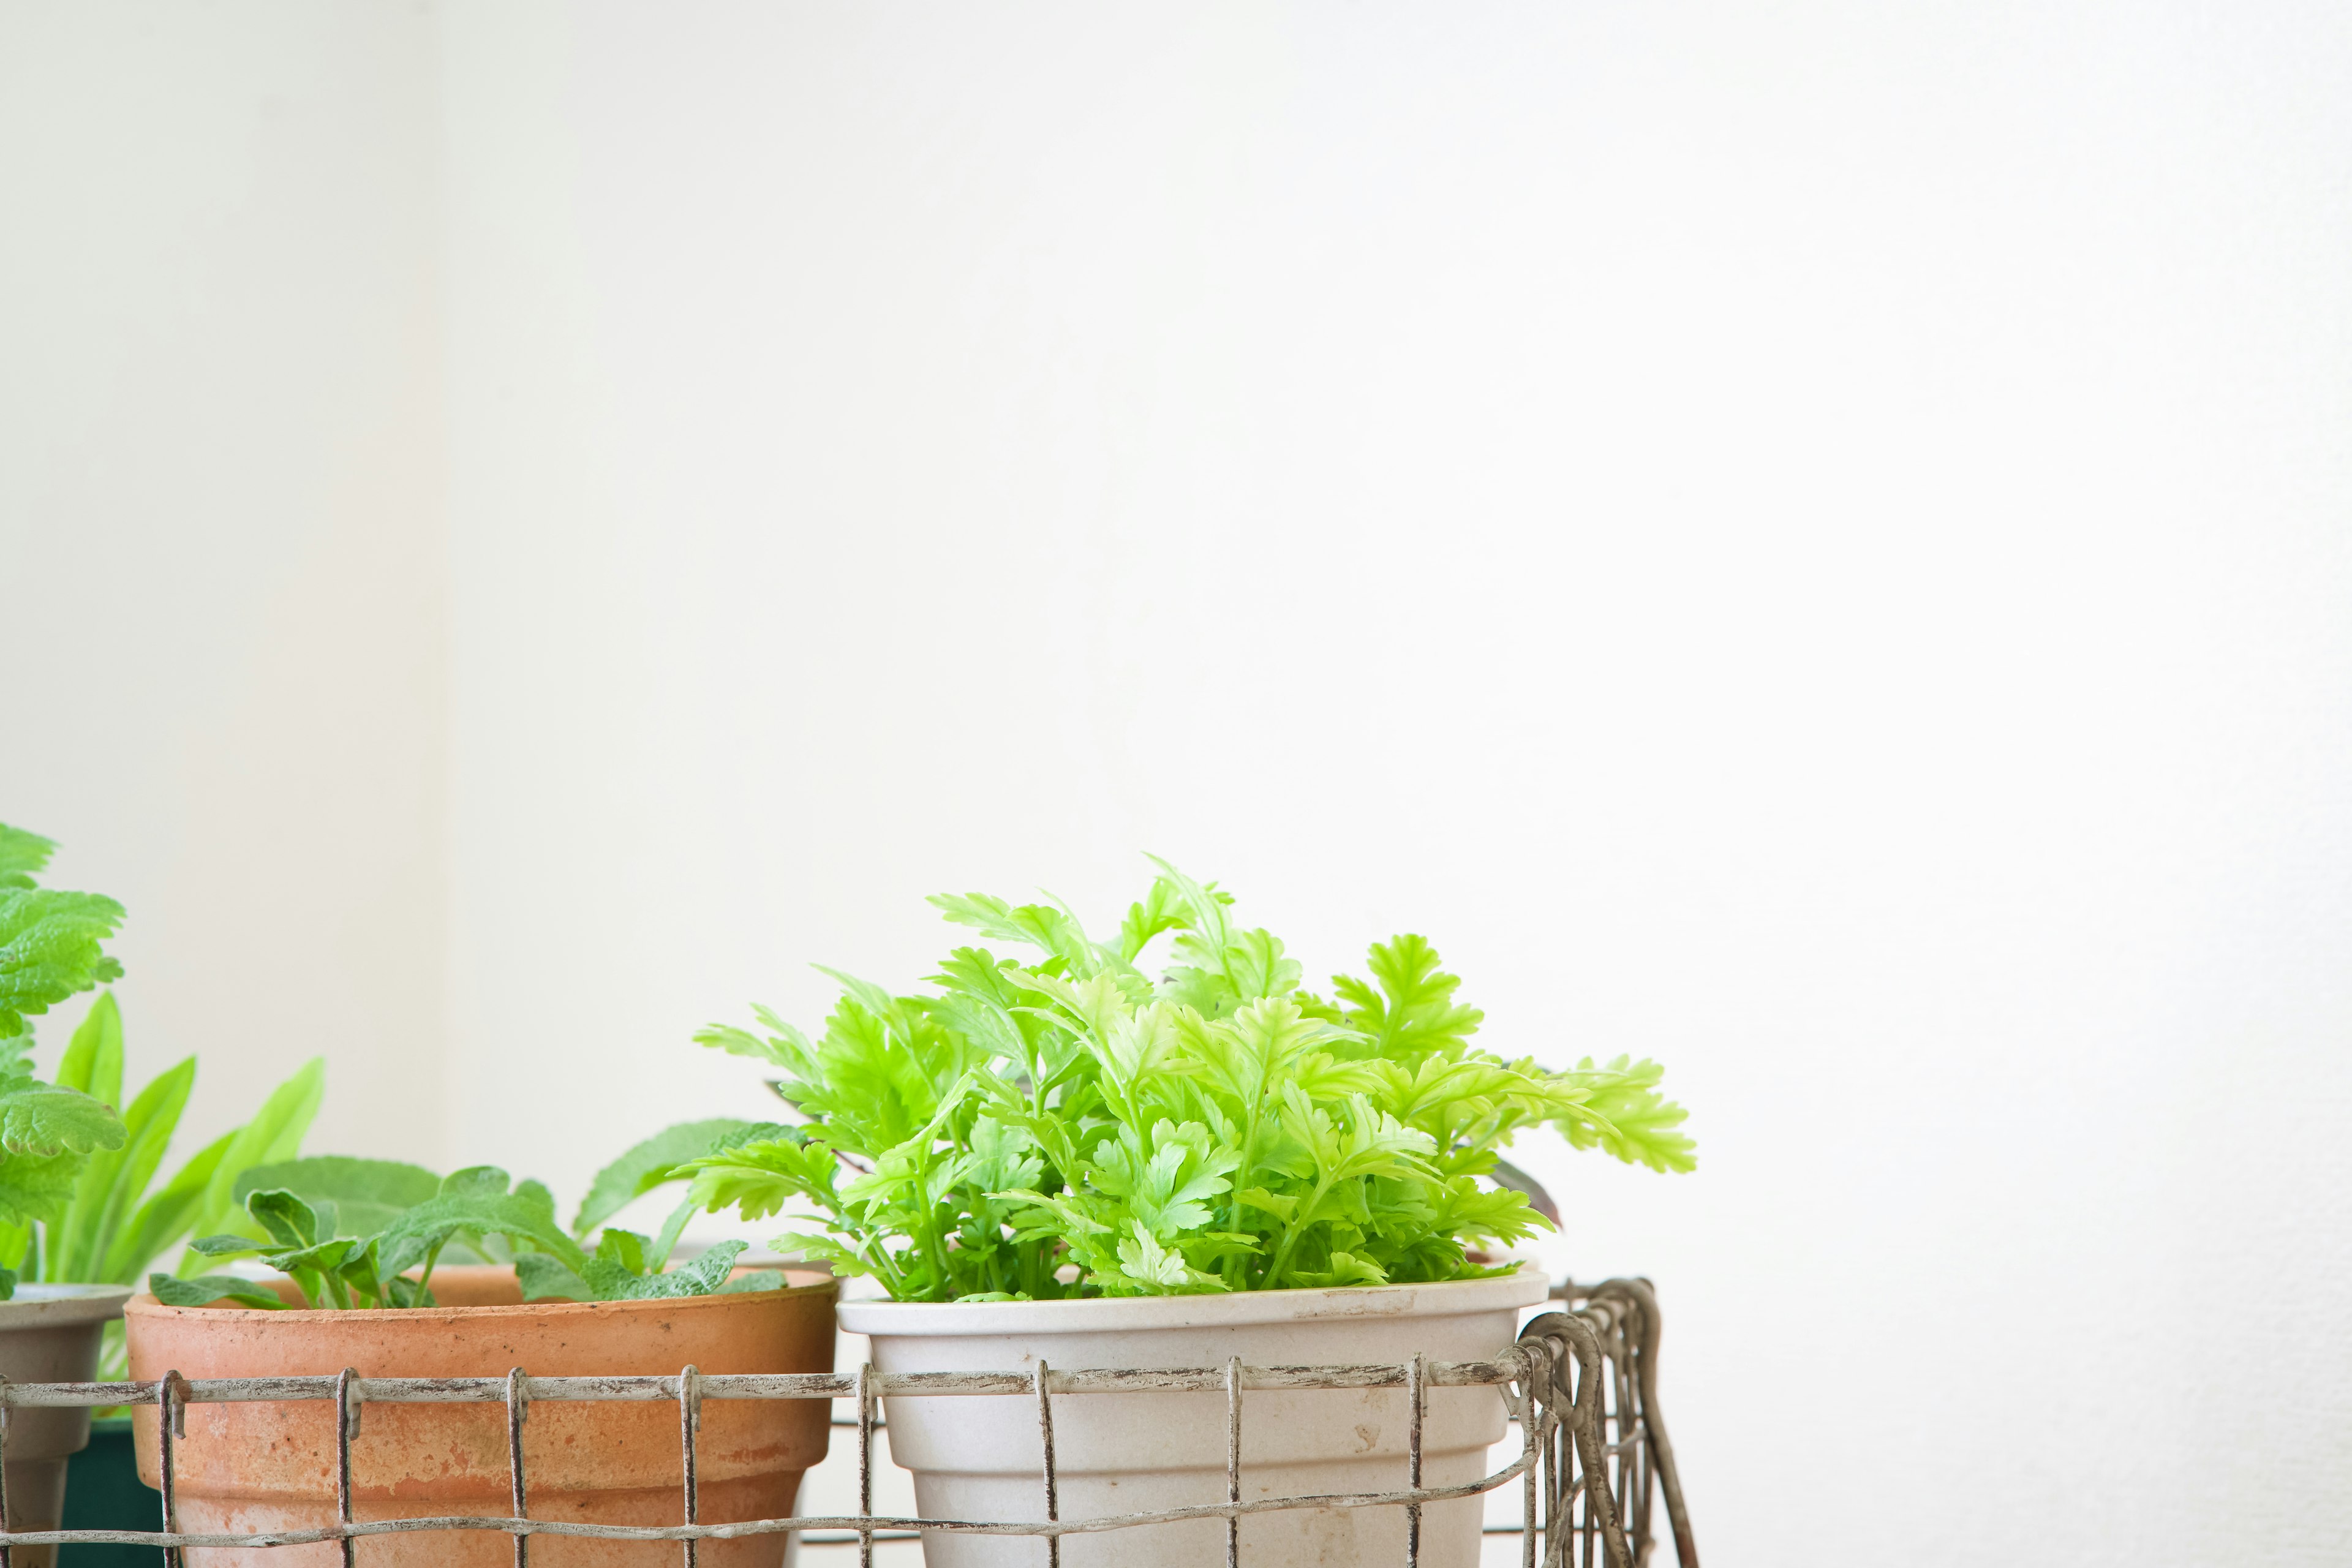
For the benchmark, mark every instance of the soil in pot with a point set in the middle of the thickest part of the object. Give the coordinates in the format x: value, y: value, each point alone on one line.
x: 248, y: 1467
x: 981, y: 1457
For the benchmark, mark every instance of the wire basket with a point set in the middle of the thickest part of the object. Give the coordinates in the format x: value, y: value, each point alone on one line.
x: 1581, y: 1384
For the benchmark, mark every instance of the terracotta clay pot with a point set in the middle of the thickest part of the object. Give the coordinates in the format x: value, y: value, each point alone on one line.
x: 248, y: 1467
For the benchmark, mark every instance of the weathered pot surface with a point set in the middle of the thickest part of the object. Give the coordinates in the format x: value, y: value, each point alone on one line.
x: 253, y: 1466
x: 981, y: 1457
x: 49, y: 1333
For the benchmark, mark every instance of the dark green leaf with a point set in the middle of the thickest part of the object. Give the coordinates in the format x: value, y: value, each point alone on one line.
x: 368, y: 1194
x: 289, y: 1218
x: 207, y: 1289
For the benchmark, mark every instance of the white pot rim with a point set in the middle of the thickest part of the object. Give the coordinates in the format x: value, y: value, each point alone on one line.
x: 1523, y: 1288
x: 40, y: 1305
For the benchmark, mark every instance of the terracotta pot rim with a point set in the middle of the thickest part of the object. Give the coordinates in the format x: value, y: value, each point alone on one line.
x: 1524, y: 1287
x: 146, y: 1305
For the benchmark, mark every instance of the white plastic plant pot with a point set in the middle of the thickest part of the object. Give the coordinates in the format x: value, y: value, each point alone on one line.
x: 981, y: 1456
x: 49, y: 1333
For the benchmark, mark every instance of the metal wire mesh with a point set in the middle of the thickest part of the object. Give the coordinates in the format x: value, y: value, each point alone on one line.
x: 1581, y: 1385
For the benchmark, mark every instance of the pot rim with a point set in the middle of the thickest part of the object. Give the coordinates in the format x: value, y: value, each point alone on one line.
x: 1524, y: 1287
x: 146, y: 1305
x: 38, y: 1305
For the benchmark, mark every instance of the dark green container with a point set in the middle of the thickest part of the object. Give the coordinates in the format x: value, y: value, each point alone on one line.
x: 103, y: 1491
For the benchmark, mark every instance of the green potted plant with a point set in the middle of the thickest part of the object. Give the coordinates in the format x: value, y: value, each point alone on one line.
x: 396, y: 1272
x: 52, y: 947
x: 114, y: 1228
x: 1059, y: 1157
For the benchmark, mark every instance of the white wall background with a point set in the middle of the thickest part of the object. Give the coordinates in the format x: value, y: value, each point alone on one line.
x: 222, y: 580
x: 1814, y: 546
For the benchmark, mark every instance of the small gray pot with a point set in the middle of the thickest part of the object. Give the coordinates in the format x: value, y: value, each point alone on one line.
x: 49, y: 1333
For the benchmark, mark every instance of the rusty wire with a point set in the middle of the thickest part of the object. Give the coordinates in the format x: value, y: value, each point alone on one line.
x: 1582, y: 1383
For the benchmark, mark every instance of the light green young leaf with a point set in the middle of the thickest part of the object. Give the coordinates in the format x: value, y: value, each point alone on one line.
x: 1040, y: 926
x: 761, y: 1177
x: 115, y: 1180
x: 92, y: 1064
x: 1621, y: 1111
x: 1164, y: 1182
x: 1159, y: 909
x: 1064, y: 1127
x: 165, y: 1217
x: 845, y: 1262
x: 653, y: 1164
x: 1146, y: 1267
x: 1413, y: 1011
x: 22, y: 856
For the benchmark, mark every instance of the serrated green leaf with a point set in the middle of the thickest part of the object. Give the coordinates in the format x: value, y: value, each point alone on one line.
x: 21, y: 856
x: 38, y: 1188
x: 52, y: 946
x: 41, y: 1119
x: 1621, y: 1111
x: 1064, y: 1127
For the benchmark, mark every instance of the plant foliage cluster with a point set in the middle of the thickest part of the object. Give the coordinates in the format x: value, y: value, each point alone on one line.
x: 52, y: 947
x: 1061, y: 1124
x: 351, y: 1233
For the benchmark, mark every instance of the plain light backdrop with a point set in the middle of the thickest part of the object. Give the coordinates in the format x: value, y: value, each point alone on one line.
x: 1813, y: 544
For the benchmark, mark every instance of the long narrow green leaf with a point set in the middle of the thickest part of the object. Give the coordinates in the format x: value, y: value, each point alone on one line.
x: 93, y: 1061
x: 93, y: 1066
x: 115, y: 1182
x: 165, y: 1217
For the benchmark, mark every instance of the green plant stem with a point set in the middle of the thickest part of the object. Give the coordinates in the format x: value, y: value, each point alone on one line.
x: 425, y: 1275
x: 1237, y: 1267
x: 1290, y: 1232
